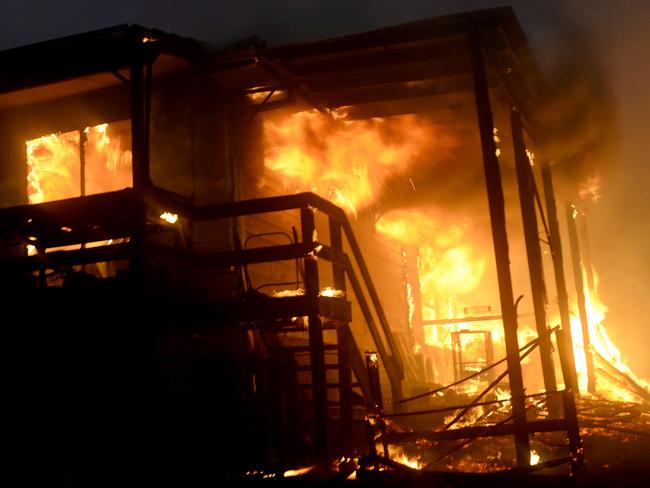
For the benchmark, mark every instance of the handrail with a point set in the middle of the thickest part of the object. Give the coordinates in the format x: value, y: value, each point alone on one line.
x: 390, y: 357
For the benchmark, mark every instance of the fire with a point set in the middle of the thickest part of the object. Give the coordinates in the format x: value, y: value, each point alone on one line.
x: 590, y: 189
x: 534, y: 457
x: 169, y: 217
x: 604, y: 348
x: 55, y: 161
x: 346, y: 161
x: 448, y: 264
x: 401, y: 457
x: 297, y: 472
x: 53, y: 167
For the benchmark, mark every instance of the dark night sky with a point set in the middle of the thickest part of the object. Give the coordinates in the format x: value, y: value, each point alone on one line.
x: 616, y: 33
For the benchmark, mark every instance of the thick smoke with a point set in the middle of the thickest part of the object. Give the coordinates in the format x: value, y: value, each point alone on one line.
x: 575, y: 117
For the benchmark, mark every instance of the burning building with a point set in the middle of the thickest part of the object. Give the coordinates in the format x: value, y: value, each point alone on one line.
x: 199, y: 246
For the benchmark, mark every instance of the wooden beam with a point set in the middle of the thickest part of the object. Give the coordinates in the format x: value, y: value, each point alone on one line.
x: 500, y: 240
x: 525, y: 183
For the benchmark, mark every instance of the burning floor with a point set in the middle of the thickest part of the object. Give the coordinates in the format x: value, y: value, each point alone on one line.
x: 616, y: 438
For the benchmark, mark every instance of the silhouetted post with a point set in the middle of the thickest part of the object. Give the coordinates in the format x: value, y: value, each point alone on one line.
x: 140, y: 164
x: 580, y: 293
x: 500, y: 240
x: 343, y: 340
x: 534, y: 253
x: 566, y: 351
x: 372, y: 366
x: 316, y: 342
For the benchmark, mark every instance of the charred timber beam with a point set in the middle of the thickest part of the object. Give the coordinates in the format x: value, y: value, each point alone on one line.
x: 83, y: 55
x: 394, y: 359
x: 257, y: 255
x: 268, y: 205
x: 399, y: 91
x: 500, y: 240
x: 534, y: 253
x: 71, y: 211
x: 316, y: 342
x: 403, y: 73
x: 531, y: 427
x: 63, y: 259
x: 298, y: 84
x: 580, y: 293
x: 458, y: 320
x: 434, y: 28
x: 384, y: 354
x: 566, y: 350
x: 251, y: 207
x: 381, y: 56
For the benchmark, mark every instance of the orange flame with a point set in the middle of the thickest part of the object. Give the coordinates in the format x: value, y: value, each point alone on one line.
x: 53, y: 167
x: 601, y: 344
x: 448, y: 265
x: 347, y: 161
x: 54, y: 164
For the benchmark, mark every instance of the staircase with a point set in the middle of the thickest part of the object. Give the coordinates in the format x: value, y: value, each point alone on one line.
x: 310, y: 375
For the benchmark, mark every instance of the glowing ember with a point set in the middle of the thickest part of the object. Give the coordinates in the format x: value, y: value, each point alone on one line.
x: 531, y: 157
x: 297, y: 472
x: 331, y: 292
x: 325, y: 292
x: 534, y: 457
x: 346, y: 161
x: 172, y: 218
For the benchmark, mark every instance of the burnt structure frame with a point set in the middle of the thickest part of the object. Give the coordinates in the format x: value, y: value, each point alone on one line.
x: 129, y: 48
x: 452, y: 53
x: 321, y: 72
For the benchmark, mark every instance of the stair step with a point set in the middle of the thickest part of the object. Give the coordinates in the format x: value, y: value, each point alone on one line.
x: 326, y: 347
x: 329, y: 385
x: 307, y: 367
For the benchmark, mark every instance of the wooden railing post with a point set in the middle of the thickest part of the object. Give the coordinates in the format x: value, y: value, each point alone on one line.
x: 316, y: 342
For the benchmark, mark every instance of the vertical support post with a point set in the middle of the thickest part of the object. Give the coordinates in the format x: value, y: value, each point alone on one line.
x: 82, y: 172
x: 580, y: 293
x: 140, y: 166
x: 489, y: 355
x: 82, y: 161
x: 534, y: 253
x: 372, y: 365
x: 583, y: 236
x: 500, y: 240
x: 343, y: 340
x: 457, y: 357
x: 316, y: 342
x: 573, y: 431
x: 566, y: 351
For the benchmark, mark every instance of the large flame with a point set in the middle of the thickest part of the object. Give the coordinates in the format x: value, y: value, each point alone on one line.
x: 451, y: 272
x: 346, y: 161
x: 54, y: 164
x: 608, y: 383
x: 449, y: 265
x: 53, y: 170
